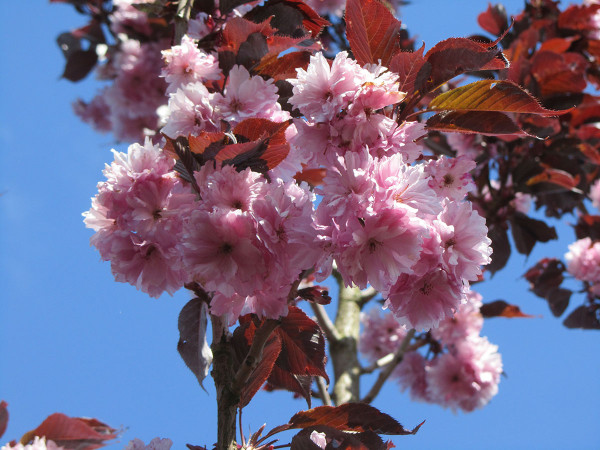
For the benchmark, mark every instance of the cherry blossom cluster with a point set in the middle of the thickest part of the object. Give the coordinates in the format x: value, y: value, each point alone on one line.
x: 402, y: 226
x: 128, y: 106
x: 154, y: 444
x: 463, y: 371
x: 583, y: 262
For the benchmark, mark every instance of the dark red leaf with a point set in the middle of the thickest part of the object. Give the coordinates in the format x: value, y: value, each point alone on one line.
x: 272, y: 147
x: 490, y: 95
x: 72, y: 433
x: 192, y: 346
x: 372, y: 31
x: 588, y: 226
x: 356, y: 417
x: 585, y: 317
x: 494, y: 19
x: 558, y: 177
x: 262, y: 371
x: 557, y: 45
x: 283, y: 379
x: 314, y: 177
x: 545, y: 277
x: 489, y: 123
x: 79, y: 64
x: 454, y: 56
x: 500, y: 308
x: 558, y: 301
x: 413, y: 70
x: 579, y: 17
x: 284, y: 67
x: 559, y: 72
x: 527, y: 231
x: 303, y: 345
x: 238, y: 30
x: 337, y: 439
x: 500, y: 246
x: 3, y: 417
x: 290, y: 17
x: 316, y: 294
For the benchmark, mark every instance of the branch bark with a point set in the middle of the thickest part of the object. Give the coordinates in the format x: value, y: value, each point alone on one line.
x: 184, y: 9
x: 325, y: 322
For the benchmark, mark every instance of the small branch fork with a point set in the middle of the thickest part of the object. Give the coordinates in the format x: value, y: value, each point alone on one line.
x: 184, y: 10
x: 387, y: 371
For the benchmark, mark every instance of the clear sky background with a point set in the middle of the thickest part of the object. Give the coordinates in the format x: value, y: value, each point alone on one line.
x: 74, y: 341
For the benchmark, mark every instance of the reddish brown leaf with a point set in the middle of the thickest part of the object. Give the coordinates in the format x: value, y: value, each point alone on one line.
x: 559, y: 73
x: 546, y: 276
x: 579, y: 17
x: 283, y: 379
x: 3, y: 417
x: 558, y: 300
x: 557, y: 45
x: 527, y: 231
x: 337, y: 439
x: 372, y: 31
x: 489, y: 123
x: 357, y: 417
x: 73, y: 433
x: 284, y: 67
x: 276, y: 146
x: 314, y: 177
x: 558, y: 177
x: 591, y: 153
x: 585, y: 317
x: 316, y: 294
x: 310, y: 19
x: 454, y: 56
x: 501, y: 247
x: 303, y: 345
x: 490, y: 95
x: 494, y: 19
x: 500, y: 308
x: 588, y: 226
x: 412, y: 69
x: 238, y: 30
x: 262, y: 371
x: 290, y: 17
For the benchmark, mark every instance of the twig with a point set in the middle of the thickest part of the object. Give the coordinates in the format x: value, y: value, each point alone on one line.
x: 323, y: 392
x: 383, y: 361
x: 367, y: 294
x: 385, y: 373
x: 254, y: 354
x: 184, y: 9
x: 325, y: 322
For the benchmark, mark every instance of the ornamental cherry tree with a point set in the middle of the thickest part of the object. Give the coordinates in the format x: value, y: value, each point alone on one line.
x: 280, y: 144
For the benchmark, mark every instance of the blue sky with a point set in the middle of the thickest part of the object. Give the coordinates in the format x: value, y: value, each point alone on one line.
x: 74, y: 341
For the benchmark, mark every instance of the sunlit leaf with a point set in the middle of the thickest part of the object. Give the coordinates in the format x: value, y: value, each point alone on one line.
x: 372, y: 31
x: 489, y: 123
x: 558, y: 177
x: 490, y: 95
x: 262, y: 371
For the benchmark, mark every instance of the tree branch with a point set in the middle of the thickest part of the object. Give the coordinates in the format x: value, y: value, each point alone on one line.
x: 385, y: 373
x: 325, y: 322
x: 184, y: 9
x: 323, y: 392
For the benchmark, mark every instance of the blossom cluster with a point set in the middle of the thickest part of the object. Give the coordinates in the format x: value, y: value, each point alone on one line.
x: 38, y: 443
x: 388, y: 216
x: 464, y: 376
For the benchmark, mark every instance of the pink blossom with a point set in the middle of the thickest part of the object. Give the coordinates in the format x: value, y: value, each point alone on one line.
x: 450, y: 177
x: 200, y: 26
x: 595, y: 187
x: 402, y: 139
x: 126, y: 17
x: 583, y: 260
x: 155, y: 444
x: 467, y: 321
x: 464, y: 239
x: 319, y: 439
x: 186, y: 63
x: 247, y: 96
x: 466, y: 378
x: 379, y: 248
x: 320, y: 91
x: 412, y: 376
x: 323, y: 7
x: 381, y: 335
x: 96, y: 112
x: 221, y: 251
x: 190, y: 111
x: 421, y: 302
